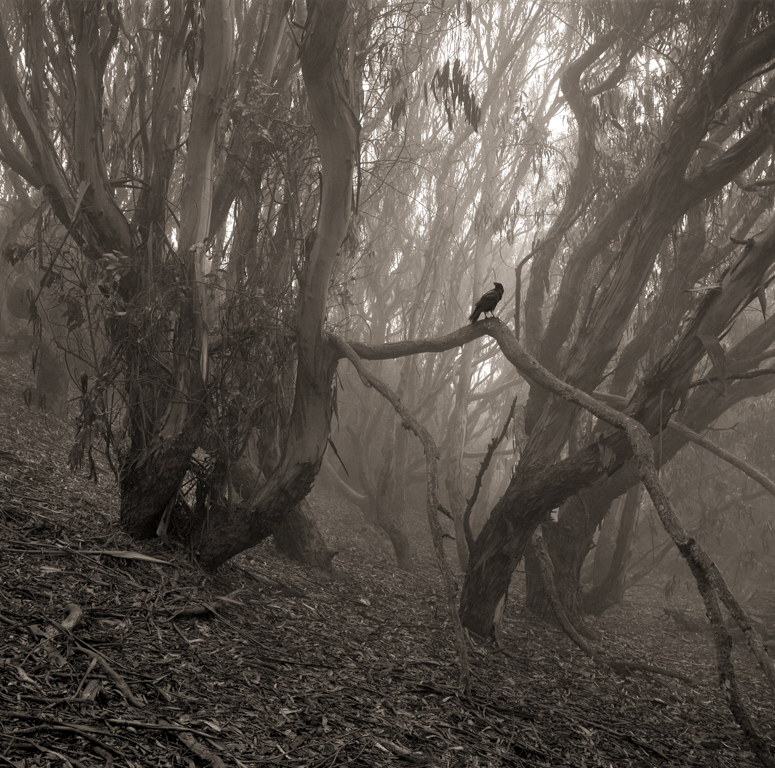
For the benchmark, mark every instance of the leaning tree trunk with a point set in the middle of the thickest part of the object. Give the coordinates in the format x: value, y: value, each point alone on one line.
x: 538, y: 486
x: 225, y: 530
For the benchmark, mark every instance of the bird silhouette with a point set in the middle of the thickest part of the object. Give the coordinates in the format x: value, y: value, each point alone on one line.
x: 487, y: 302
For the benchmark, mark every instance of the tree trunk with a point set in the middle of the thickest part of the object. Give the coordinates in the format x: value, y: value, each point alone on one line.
x: 567, y: 559
x: 299, y: 538
x: 225, y: 531
x: 390, y: 492
x: 606, y: 542
x: 392, y: 524
x: 298, y: 535
x: 389, y: 498
x: 610, y: 591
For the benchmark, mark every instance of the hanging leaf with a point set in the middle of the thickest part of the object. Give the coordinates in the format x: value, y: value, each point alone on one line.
x: 762, y: 296
x: 718, y: 359
x: 454, y: 86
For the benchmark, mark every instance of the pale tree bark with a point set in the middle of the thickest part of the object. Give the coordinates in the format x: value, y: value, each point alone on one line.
x: 543, y: 254
x: 83, y: 199
x: 266, y: 21
x: 43, y: 170
x: 153, y: 472
x: 225, y: 530
x: 160, y: 134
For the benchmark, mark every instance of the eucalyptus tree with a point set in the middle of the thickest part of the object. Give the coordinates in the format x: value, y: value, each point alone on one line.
x: 140, y: 137
x: 467, y: 120
x: 178, y: 161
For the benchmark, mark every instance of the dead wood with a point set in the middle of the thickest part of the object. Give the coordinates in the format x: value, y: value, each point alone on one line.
x: 491, y: 449
x: 432, y: 459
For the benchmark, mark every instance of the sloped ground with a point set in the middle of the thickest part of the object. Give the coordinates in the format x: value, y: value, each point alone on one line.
x: 266, y: 663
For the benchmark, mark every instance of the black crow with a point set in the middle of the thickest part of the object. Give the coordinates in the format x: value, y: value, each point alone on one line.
x: 487, y: 302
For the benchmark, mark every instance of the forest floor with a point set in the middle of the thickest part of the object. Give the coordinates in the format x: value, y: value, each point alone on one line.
x: 268, y: 663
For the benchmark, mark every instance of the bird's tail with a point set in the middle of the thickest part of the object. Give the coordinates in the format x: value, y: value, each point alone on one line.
x: 475, y: 315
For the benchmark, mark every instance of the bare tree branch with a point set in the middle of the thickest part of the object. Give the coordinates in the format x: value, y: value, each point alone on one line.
x: 432, y: 498
x: 730, y: 458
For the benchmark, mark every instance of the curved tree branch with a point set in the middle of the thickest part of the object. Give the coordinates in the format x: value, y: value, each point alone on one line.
x: 432, y: 497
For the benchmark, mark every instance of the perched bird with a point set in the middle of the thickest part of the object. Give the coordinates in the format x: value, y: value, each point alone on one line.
x: 487, y: 302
